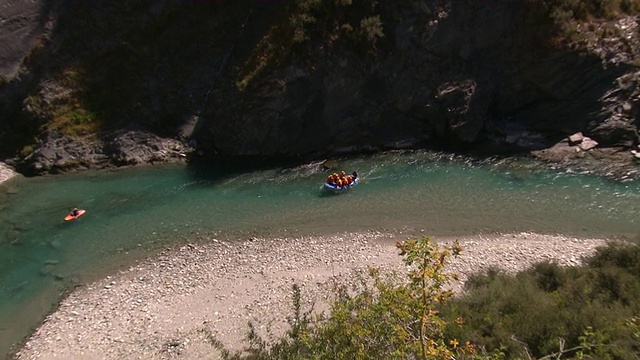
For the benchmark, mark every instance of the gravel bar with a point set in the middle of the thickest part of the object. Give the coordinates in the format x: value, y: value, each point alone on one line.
x: 162, y: 307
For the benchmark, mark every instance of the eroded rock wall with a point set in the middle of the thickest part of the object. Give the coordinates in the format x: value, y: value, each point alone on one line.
x: 227, y: 79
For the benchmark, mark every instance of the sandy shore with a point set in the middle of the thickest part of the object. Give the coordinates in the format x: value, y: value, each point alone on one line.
x: 160, y: 308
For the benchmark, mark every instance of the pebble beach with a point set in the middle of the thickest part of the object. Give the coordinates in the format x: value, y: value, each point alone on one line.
x: 167, y: 305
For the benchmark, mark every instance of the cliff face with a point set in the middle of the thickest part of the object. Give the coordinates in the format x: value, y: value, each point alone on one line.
x: 271, y: 80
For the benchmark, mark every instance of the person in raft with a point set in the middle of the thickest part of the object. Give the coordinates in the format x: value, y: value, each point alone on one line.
x: 347, y: 180
x: 332, y: 179
x: 341, y: 180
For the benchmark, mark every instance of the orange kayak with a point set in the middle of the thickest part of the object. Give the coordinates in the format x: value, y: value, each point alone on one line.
x: 70, y: 216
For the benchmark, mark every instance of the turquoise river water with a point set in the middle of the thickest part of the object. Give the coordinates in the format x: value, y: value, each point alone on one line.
x: 135, y: 212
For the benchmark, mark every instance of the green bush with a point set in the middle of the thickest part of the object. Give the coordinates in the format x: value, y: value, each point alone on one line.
x: 386, y: 318
x: 624, y: 256
x: 547, y: 311
x: 548, y: 307
x: 549, y: 276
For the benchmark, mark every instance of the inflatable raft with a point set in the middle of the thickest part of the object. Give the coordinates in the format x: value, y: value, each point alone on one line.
x: 338, y: 189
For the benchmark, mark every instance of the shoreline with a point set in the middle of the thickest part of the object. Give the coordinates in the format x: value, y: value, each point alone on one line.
x: 162, y: 307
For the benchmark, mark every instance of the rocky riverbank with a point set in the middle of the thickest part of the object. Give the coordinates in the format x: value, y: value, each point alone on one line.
x: 59, y: 153
x: 163, y: 307
x: 613, y: 163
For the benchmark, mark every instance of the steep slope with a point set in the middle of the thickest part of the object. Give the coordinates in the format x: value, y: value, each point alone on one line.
x: 129, y: 82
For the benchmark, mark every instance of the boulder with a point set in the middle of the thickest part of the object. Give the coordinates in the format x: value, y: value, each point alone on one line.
x: 616, y: 132
x: 576, y: 138
x: 138, y: 147
x: 59, y: 153
x: 587, y: 144
x: 6, y: 172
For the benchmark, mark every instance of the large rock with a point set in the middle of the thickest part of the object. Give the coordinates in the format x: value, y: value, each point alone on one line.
x: 616, y: 132
x: 617, y: 123
x: 58, y: 153
x: 6, y: 172
x: 22, y: 23
x: 135, y: 147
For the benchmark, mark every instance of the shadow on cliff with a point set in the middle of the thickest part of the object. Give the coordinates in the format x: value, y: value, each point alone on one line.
x: 34, y: 19
x: 130, y: 65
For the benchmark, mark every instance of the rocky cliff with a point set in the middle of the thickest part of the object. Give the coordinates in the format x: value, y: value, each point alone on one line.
x: 89, y: 84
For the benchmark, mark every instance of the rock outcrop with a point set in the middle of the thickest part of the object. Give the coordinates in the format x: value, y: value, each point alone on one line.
x: 21, y: 27
x: 6, y: 172
x: 59, y: 153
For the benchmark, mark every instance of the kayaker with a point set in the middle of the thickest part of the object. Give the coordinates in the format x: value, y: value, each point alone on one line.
x: 75, y: 212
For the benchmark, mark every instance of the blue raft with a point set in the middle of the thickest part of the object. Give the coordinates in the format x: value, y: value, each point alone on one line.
x: 338, y: 189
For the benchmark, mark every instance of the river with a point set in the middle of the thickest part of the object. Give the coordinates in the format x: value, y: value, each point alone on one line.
x: 135, y: 212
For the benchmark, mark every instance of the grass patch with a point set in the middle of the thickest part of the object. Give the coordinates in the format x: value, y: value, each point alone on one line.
x: 75, y: 121
x: 65, y: 110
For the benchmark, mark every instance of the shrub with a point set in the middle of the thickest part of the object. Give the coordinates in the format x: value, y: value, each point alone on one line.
x: 371, y: 28
x: 546, y: 311
x: 384, y: 319
x: 549, y: 308
x: 624, y: 256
